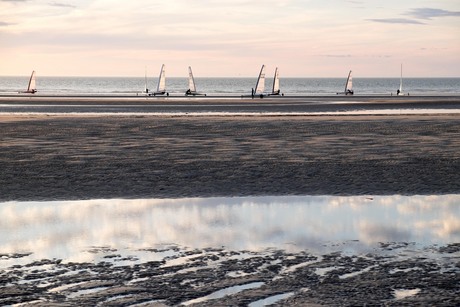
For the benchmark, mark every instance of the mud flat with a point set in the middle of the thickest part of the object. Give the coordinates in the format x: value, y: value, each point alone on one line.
x: 393, y: 275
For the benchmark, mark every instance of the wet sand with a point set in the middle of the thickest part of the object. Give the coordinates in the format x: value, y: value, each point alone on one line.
x: 394, y: 275
x: 291, y: 105
x: 85, y: 157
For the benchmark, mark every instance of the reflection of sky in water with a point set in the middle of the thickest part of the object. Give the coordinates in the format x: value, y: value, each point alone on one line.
x: 64, y: 229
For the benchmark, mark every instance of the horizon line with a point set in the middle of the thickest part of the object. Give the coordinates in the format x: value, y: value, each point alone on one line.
x: 216, y: 77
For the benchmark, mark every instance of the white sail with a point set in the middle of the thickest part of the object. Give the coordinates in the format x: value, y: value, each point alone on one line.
x: 191, y: 81
x: 400, y: 84
x: 162, y: 80
x: 146, y: 90
x: 349, y: 84
x: 32, y: 88
x: 276, y: 83
x: 260, y: 85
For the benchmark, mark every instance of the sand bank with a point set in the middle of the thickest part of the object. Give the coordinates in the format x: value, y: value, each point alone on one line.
x: 80, y: 157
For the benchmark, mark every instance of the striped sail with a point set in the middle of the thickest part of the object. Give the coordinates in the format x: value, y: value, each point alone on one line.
x: 260, y: 85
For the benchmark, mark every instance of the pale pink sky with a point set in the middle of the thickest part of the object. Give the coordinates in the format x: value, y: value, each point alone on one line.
x: 230, y: 38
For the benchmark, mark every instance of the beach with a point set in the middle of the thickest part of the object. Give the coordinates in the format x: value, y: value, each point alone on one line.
x: 109, y: 154
x: 187, y: 153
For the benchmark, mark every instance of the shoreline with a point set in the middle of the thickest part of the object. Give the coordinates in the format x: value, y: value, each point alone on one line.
x: 178, y: 96
x: 180, y: 106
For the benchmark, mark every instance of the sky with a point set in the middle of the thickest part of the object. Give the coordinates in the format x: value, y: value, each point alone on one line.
x: 230, y: 38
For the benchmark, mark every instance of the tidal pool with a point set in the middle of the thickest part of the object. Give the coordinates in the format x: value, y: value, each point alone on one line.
x: 89, y: 230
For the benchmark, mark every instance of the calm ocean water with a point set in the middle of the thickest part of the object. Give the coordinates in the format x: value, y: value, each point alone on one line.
x: 230, y: 86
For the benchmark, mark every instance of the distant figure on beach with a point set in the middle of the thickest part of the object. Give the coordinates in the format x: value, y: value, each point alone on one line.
x: 397, y: 92
x: 252, y: 93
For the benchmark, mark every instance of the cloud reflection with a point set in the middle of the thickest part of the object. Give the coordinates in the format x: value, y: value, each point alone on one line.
x: 66, y: 229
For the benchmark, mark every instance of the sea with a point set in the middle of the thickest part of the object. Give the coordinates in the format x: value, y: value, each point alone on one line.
x: 229, y: 86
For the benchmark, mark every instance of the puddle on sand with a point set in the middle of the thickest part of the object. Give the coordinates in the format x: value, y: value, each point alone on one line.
x: 271, y: 300
x: 86, y: 291
x: 224, y: 292
x: 128, y: 232
x: 400, y: 294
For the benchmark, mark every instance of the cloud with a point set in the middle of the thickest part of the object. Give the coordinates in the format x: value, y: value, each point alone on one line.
x: 429, y: 13
x: 354, y: 56
x: 337, y: 55
x: 58, y: 4
x: 418, y: 13
x: 355, y: 2
x: 4, y: 24
x: 397, y: 21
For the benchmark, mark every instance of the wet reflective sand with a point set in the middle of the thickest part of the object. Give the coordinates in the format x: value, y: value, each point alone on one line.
x: 69, y: 229
x: 232, y: 250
